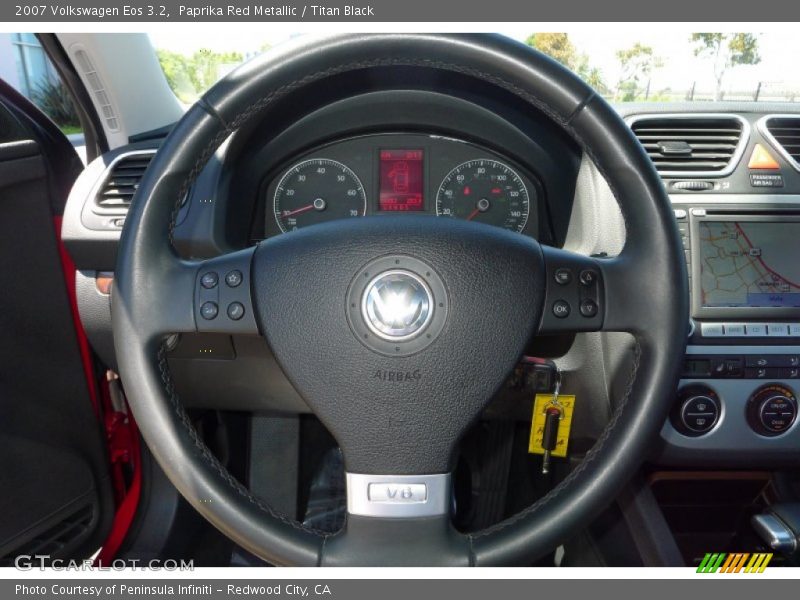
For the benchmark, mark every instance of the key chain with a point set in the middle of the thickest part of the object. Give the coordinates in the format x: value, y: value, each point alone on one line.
x: 552, y: 420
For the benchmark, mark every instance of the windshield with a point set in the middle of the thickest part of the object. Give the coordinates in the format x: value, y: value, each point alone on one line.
x: 634, y: 66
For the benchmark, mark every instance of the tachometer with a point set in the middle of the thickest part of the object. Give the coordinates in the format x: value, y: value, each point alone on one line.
x: 318, y: 190
x: 486, y: 191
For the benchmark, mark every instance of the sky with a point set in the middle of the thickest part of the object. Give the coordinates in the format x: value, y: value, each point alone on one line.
x: 681, y: 68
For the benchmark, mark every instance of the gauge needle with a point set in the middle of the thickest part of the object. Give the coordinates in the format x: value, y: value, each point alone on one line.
x: 297, y: 211
x: 473, y: 214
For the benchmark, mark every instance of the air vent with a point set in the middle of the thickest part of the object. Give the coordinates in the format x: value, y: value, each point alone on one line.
x: 783, y: 131
x: 692, y: 145
x: 120, y: 181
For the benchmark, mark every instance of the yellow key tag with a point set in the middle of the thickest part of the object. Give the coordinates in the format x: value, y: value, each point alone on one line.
x: 567, y: 405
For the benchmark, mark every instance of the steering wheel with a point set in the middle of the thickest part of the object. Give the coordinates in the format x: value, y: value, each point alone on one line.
x: 397, y: 332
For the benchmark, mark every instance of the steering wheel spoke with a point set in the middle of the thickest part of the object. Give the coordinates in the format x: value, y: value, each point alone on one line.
x: 406, y: 517
x: 399, y: 496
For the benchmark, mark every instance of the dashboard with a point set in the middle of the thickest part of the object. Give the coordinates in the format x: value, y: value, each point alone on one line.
x: 393, y: 175
x: 447, y: 152
x: 737, y: 206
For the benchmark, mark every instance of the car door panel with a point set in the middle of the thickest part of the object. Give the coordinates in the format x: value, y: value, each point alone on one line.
x: 56, y: 496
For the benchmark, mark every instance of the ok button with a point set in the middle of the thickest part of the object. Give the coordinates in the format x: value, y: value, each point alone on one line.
x: 561, y: 309
x: 398, y: 493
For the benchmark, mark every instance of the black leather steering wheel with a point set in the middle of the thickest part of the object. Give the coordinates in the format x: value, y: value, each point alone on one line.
x: 398, y: 404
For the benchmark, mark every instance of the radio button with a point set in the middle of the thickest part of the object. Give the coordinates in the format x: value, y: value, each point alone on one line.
x: 778, y: 329
x: 734, y: 329
x: 756, y: 329
x: 711, y: 329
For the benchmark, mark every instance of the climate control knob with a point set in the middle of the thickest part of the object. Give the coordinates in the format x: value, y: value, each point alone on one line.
x: 697, y: 410
x: 772, y: 409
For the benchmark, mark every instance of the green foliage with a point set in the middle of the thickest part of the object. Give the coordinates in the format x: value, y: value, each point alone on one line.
x: 190, y: 76
x: 727, y: 50
x: 737, y: 48
x: 637, y: 63
x: 54, y: 100
x: 559, y: 47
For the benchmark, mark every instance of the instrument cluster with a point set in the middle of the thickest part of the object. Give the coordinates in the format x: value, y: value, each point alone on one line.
x: 401, y: 174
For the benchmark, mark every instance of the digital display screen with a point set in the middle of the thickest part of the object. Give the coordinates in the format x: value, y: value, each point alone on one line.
x: 697, y: 367
x: 401, y: 180
x: 750, y: 264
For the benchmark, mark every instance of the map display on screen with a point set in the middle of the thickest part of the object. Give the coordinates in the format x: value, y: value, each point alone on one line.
x: 753, y: 264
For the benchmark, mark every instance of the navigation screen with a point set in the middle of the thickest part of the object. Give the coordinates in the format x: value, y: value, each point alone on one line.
x: 401, y: 180
x: 750, y: 264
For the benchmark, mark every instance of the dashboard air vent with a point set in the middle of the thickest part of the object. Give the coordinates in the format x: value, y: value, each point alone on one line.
x: 120, y: 182
x: 784, y: 133
x: 692, y: 146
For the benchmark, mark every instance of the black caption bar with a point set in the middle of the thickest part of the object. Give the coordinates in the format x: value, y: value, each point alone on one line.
x: 449, y: 11
x: 698, y: 586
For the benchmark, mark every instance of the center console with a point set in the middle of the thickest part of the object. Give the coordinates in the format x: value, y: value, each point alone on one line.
x: 738, y: 394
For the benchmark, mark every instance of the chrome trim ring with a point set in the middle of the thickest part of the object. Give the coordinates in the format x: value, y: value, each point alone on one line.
x: 397, y: 305
x: 416, y: 329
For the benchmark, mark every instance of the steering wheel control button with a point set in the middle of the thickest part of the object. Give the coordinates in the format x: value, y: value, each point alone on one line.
x: 772, y: 410
x: 235, y: 311
x: 697, y: 411
x: 209, y: 280
x: 220, y: 307
x: 234, y: 278
x: 209, y: 311
x: 588, y: 277
x: 561, y: 309
x: 574, y: 295
x: 397, y: 305
x: 588, y: 308
x: 563, y: 276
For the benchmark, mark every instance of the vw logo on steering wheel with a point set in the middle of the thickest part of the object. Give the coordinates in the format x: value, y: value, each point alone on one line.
x: 397, y: 305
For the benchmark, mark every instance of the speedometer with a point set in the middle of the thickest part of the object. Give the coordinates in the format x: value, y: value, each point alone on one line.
x: 486, y: 191
x: 315, y: 191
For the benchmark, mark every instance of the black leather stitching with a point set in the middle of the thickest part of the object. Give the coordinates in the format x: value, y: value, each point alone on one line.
x: 282, y: 91
x: 209, y: 457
